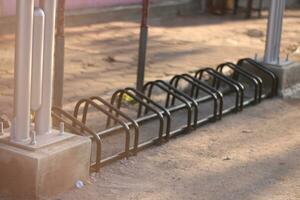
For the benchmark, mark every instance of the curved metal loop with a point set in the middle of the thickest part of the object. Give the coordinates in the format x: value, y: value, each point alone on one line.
x: 178, y: 95
x: 236, y: 86
x: 239, y: 72
x: 150, y: 101
x: 258, y: 79
x: 131, y: 121
x: 212, y: 92
x: 217, y: 92
x: 121, y: 92
x: 87, y: 103
x: 59, y: 114
x: 265, y: 70
x: 175, y: 80
x: 176, y: 91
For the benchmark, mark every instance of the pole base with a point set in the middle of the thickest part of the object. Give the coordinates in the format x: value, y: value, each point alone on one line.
x: 44, y: 172
x: 41, y: 140
x: 289, y: 78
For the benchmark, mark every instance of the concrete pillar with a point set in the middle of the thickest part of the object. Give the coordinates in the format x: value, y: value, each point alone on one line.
x: 23, y: 60
x: 43, y: 119
x: 273, y: 41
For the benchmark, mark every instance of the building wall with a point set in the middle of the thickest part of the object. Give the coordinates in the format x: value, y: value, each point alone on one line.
x: 8, y: 7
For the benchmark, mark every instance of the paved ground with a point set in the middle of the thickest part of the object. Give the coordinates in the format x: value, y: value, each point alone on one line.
x: 103, y: 57
x: 228, y: 160
x: 253, y: 155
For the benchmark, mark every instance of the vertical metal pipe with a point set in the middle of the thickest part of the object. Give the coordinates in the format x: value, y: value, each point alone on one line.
x: 43, y: 119
x: 235, y: 6
x: 37, y: 61
x: 143, y: 46
x: 249, y: 8
x: 23, y: 60
x: 59, y: 55
x: 273, y: 41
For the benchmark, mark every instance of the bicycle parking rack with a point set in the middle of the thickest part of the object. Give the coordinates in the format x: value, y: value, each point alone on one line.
x: 238, y: 72
x: 263, y: 72
x: 217, y: 77
x: 117, y: 99
x: 205, y: 86
x: 188, y: 103
x: 78, y: 128
x: 212, y: 93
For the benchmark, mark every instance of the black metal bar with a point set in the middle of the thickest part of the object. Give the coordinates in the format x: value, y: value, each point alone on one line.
x: 176, y: 91
x: 238, y: 84
x: 87, y: 103
x: 249, y: 8
x: 143, y: 46
x: 260, y: 7
x: 217, y: 92
x: 59, y: 55
x: 239, y: 72
x: 167, y: 88
x: 121, y: 92
x: 235, y: 7
x: 239, y: 90
x: 258, y: 79
x: 174, y: 82
x: 132, y: 122
x: 150, y: 101
x: 263, y: 69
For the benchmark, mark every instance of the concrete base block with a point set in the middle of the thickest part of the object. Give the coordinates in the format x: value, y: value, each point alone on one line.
x: 39, y: 174
x: 289, y: 79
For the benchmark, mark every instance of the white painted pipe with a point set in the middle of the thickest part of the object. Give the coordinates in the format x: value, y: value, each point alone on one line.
x: 43, y: 119
x: 37, y: 62
x: 274, y: 31
x: 23, y: 59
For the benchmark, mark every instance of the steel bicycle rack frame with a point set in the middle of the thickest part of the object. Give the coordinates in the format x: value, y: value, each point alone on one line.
x: 117, y: 99
x: 108, y: 131
x: 187, y: 103
x: 176, y: 99
x: 236, y: 86
x: 264, y: 70
x: 87, y: 103
x: 213, y: 94
x: 237, y: 72
x: 63, y: 116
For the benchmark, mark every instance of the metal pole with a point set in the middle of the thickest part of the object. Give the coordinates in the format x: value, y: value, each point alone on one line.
x: 59, y: 55
x: 43, y: 119
x: 273, y: 41
x: 143, y: 46
x: 23, y: 61
x: 37, y: 60
x: 249, y: 8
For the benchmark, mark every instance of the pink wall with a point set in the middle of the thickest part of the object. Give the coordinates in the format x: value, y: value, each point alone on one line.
x: 76, y: 4
x: 8, y: 7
